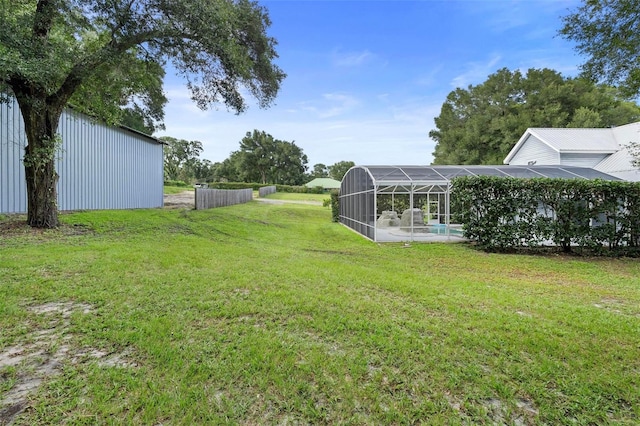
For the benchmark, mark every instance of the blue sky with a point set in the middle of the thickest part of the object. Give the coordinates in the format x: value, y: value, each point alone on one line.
x: 365, y: 79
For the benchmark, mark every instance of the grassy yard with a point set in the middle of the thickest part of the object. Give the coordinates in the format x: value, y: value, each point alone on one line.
x: 299, y: 197
x: 177, y: 189
x: 271, y: 314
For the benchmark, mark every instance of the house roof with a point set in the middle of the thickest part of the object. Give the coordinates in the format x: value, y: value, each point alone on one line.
x: 627, y: 133
x: 578, y: 140
x: 593, y: 141
x: 618, y: 162
x: 326, y: 183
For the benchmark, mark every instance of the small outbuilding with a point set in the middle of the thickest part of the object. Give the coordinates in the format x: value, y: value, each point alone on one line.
x: 412, y: 203
x: 100, y: 167
x: 325, y: 183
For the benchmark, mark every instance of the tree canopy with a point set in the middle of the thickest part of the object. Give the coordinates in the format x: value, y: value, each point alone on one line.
x: 339, y: 169
x: 480, y: 124
x: 263, y: 159
x: 181, y: 158
x: 106, y: 55
x: 319, y: 170
x: 607, y: 32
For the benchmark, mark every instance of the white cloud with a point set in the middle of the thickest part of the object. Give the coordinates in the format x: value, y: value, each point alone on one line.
x: 341, y: 104
x: 476, y: 72
x: 430, y: 78
x: 501, y: 15
x: 351, y: 59
x: 564, y: 64
x: 330, y: 105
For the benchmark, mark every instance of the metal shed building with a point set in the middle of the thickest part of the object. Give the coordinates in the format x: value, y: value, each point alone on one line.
x: 100, y: 166
x: 411, y: 203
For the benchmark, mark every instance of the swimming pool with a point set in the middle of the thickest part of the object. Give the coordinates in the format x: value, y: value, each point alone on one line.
x: 441, y: 229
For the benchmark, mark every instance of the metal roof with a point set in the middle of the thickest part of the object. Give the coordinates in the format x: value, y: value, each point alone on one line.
x: 620, y: 165
x: 574, y: 140
x: 399, y: 175
x: 620, y: 161
x: 578, y: 140
x: 323, y: 182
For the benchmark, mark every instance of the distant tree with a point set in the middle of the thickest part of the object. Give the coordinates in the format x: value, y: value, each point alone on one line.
x: 229, y: 169
x: 339, y: 169
x: 180, y: 158
x: 319, y: 171
x: 202, y: 170
x: 256, y: 159
x: 263, y: 159
x: 480, y: 124
x: 607, y: 32
x: 290, y: 164
x: 109, y: 54
x: 215, y: 168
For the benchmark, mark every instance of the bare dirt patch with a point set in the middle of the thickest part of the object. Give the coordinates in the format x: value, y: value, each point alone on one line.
x: 16, y: 226
x: 183, y: 199
x: 25, y: 366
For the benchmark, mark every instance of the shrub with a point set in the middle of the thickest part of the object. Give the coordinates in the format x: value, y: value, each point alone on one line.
x: 235, y: 185
x: 601, y: 217
x: 255, y: 186
x: 176, y: 183
x: 299, y: 189
x: 334, y: 202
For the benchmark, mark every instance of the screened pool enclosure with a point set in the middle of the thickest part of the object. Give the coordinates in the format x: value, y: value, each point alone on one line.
x: 411, y: 203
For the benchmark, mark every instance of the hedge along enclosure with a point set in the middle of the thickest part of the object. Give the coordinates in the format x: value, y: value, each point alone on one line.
x: 503, y: 213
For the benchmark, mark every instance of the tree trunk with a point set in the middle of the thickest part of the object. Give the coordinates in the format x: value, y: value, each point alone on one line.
x: 41, y: 124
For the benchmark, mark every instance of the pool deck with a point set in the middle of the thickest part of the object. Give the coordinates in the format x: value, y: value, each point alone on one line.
x: 388, y: 235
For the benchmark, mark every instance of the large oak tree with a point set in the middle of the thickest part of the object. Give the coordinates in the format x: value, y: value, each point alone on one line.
x: 181, y: 157
x: 264, y: 159
x: 113, y: 52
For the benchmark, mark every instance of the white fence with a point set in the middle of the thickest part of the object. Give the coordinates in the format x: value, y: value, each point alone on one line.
x: 210, y: 198
x: 266, y: 190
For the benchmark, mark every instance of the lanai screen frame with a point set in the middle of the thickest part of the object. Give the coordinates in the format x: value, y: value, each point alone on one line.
x: 361, y: 186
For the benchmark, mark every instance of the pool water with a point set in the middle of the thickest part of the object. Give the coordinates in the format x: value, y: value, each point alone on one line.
x: 441, y: 229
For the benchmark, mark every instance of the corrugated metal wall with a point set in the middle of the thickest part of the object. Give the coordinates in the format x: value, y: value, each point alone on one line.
x: 100, y: 167
x: 13, y: 195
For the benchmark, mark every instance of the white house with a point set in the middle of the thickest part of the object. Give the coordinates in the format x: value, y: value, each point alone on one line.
x: 604, y: 150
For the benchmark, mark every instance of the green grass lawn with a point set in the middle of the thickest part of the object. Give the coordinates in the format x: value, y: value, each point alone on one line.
x: 271, y: 314
x: 292, y: 196
x: 177, y: 189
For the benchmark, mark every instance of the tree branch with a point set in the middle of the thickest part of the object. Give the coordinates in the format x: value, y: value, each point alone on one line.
x: 43, y: 19
x: 83, y: 69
